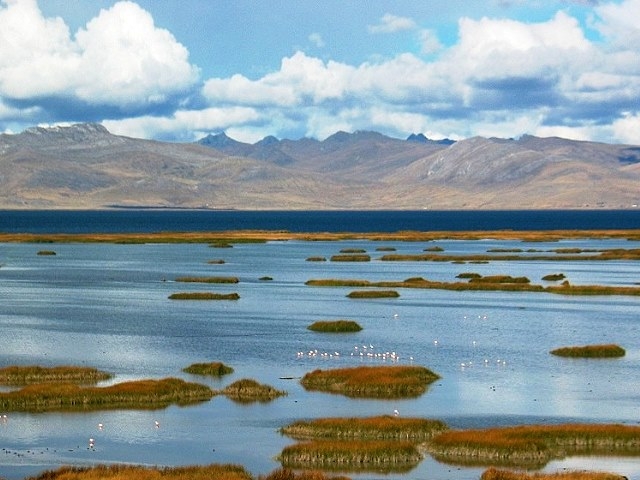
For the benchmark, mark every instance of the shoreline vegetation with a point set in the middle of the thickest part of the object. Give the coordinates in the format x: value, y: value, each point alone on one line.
x: 590, y: 351
x: 17, y: 375
x: 502, y: 283
x: 260, y: 236
x: 384, y: 382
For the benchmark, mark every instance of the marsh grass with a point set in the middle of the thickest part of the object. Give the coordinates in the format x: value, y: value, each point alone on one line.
x: 45, y: 253
x: 533, y: 445
x: 373, y: 294
x: 355, y: 257
x: 216, y: 261
x: 496, y: 474
x: 590, y: 351
x: 204, y: 296
x: 316, y: 259
x: 208, y: 279
x: 131, y: 395
x: 353, y: 250
x: 490, y: 283
x: 554, y: 277
x: 248, y: 391
x: 195, y: 472
x: 383, y: 427
x: 335, y: 326
x: 382, y: 382
x: 30, y: 374
x: 213, y: 369
x: 354, y: 455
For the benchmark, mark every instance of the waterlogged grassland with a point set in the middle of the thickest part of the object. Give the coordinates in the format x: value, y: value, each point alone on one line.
x: 503, y: 283
x: 335, y: 326
x: 139, y: 394
x: 261, y: 236
x: 382, y: 382
x: 383, y: 427
x: 208, y: 279
x: 212, y: 369
x: 590, y: 351
x: 533, y: 446
x: 355, y: 455
x: 196, y: 472
x: 204, y: 296
x: 496, y: 474
x: 15, y: 375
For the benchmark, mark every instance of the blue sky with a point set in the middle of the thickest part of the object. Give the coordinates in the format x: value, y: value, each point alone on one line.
x: 180, y: 69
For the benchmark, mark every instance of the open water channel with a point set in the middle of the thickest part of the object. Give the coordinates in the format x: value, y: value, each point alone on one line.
x: 107, y: 306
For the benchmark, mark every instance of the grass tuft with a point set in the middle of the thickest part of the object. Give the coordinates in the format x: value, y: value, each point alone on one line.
x: 590, y: 351
x: 213, y: 369
x: 335, y: 326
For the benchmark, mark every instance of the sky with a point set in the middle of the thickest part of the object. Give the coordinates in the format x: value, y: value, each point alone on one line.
x: 177, y: 70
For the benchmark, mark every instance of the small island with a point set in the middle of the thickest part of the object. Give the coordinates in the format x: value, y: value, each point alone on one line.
x: 31, y: 374
x: 203, y: 296
x: 533, y: 446
x: 384, y: 382
x: 212, y: 369
x: 590, y: 351
x: 248, y: 391
x: 138, y: 394
x: 335, y: 326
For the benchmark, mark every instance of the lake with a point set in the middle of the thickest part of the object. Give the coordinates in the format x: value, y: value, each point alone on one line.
x: 106, y: 306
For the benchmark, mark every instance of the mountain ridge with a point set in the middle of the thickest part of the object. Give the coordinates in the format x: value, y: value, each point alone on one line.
x: 84, y: 166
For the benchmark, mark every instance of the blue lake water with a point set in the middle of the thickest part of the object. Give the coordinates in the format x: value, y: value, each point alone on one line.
x: 107, y: 306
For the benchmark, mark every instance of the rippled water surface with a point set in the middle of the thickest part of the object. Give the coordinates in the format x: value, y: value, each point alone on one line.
x: 106, y: 306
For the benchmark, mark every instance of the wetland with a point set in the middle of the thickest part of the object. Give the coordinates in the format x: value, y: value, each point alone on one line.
x: 103, y: 300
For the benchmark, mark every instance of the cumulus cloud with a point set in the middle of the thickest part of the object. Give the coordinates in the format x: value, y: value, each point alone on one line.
x: 120, y: 58
x: 500, y: 77
x: 390, y: 23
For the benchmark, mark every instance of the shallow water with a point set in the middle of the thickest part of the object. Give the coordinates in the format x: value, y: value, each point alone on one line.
x: 107, y: 306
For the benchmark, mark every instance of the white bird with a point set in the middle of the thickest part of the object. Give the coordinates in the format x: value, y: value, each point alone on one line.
x: 157, y: 424
x: 100, y: 426
x: 396, y: 412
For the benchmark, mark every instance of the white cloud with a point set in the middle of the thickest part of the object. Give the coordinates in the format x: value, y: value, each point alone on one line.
x: 627, y: 129
x: 429, y: 42
x: 392, y: 23
x: 317, y: 40
x: 120, y: 58
x: 619, y: 21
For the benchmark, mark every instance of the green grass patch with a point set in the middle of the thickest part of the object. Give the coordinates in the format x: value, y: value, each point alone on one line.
x: 356, y: 257
x: 534, y: 445
x: 140, y: 394
x: 213, y: 369
x: 45, y: 253
x: 208, y: 279
x: 30, y: 374
x: 434, y: 249
x: 216, y: 261
x: 590, y: 351
x: 385, y: 427
x: 353, y: 250
x: 248, y: 391
x: 383, y: 382
x: 335, y: 326
x: 203, y: 296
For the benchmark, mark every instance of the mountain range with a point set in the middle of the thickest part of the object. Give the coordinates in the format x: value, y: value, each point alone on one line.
x: 84, y: 166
